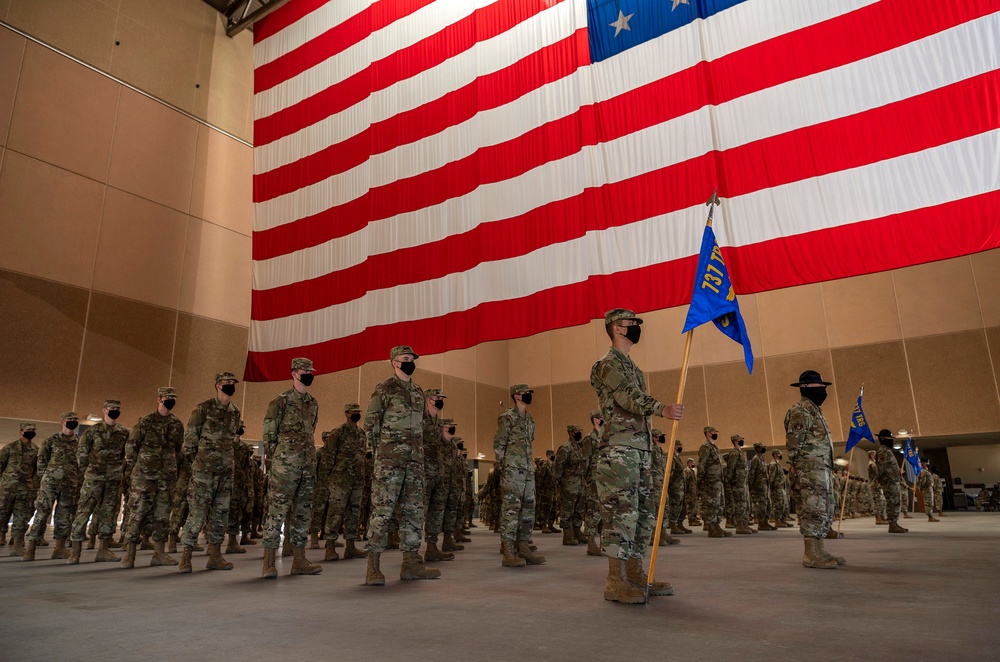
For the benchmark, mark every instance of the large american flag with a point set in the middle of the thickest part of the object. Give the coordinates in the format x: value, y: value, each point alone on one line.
x: 441, y: 174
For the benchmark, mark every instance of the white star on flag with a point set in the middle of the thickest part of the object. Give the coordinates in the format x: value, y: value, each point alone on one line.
x: 621, y: 23
x: 678, y: 3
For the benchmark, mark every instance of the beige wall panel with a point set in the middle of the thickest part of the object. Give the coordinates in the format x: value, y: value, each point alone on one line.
x: 952, y: 385
x: 460, y: 404
x: 217, y: 273
x: 792, y: 320
x: 861, y: 310
x: 233, y: 56
x: 541, y: 410
x: 333, y: 391
x: 181, y: 22
x: 49, y: 219
x: 140, y: 253
x: 203, y: 348
x: 571, y: 405
x: 737, y: 402
x: 784, y: 370
x: 154, y: 150
x: 664, y: 341
x: 223, y: 181
x: 428, y: 362
x: 530, y: 360
x: 488, y: 409
x: 966, y: 462
x: 41, y: 331
x: 491, y: 363
x: 372, y: 374
x: 461, y: 363
x: 663, y: 386
x: 986, y: 267
x: 888, y: 401
x: 64, y: 113
x: 83, y: 28
x: 126, y: 355
x: 572, y: 351
x: 939, y: 297
x: 11, y: 55
x: 716, y: 347
x: 223, y: 103
x: 256, y: 396
x: 427, y: 378
x: 993, y: 342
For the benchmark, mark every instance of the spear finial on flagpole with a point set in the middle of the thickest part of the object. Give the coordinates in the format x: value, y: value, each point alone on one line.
x: 711, y: 204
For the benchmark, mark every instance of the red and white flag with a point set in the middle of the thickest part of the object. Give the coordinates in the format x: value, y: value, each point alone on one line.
x: 441, y: 174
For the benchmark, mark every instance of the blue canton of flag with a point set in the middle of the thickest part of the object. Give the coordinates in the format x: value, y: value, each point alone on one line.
x: 714, y: 298
x: 912, y: 461
x: 617, y: 25
x: 859, y: 427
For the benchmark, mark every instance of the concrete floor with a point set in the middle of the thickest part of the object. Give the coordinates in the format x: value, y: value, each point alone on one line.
x: 931, y: 594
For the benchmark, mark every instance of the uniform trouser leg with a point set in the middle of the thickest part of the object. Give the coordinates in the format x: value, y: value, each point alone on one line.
x: 435, y: 501
x: 397, y: 479
x: 592, y: 519
x: 237, y: 507
x: 17, y: 501
x: 892, y: 502
x: 321, y: 497
x: 47, y: 496
x: 816, y: 497
x: 96, y: 500
x: 149, y: 509
x: 291, y: 493
x: 675, y: 504
x: 208, y: 503
x: 624, y: 486
x: 451, y: 504
x: 517, y: 494
x: 710, y: 493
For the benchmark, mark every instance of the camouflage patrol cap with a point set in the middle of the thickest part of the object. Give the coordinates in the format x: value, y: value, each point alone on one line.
x: 352, y: 406
x: 166, y: 392
x: 596, y: 413
x: 448, y: 421
x: 112, y: 404
x: 657, y: 433
x: 776, y: 451
x: 759, y: 446
x: 573, y: 428
x: 619, y: 314
x: 735, y: 437
x: 27, y: 426
x: 434, y: 393
x: 519, y: 388
x: 709, y: 428
x: 302, y: 363
x: 224, y: 376
x: 402, y: 349
x: 68, y: 415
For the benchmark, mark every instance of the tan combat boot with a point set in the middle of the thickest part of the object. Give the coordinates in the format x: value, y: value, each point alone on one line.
x: 840, y: 560
x: 618, y: 589
x: 286, y: 546
x: 568, y: 537
x: 92, y: 541
x: 172, y: 543
x: 706, y: 527
x: 215, y: 559
x: 526, y: 553
x: 247, y: 539
x: 352, y: 552
x: 940, y: 513
x: 580, y: 538
x: 269, y: 571
x: 301, y: 565
x: 907, y: 516
x: 510, y: 557
x: 729, y: 524
x: 593, y: 546
x: 233, y: 547
x: 636, y: 576
x: 17, y: 545
x: 546, y: 529
x: 129, y: 561
x: 60, y: 551
x: 459, y: 537
x: 105, y: 555
x: 159, y: 556
x: 331, y: 551
x: 43, y: 542
x: 449, y: 544
x: 666, y: 539
x: 894, y: 527
x: 743, y: 528
x: 29, y: 551
x: 374, y: 576
x: 314, y: 540
x: 930, y: 518
x: 834, y: 535
x: 74, y: 555
x: 813, y: 556
x: 413, y: 568
x: 433, y: 554
x: 185, y: 565
x: 880, y: 522
x: 146, y: 544
x: 676, y: 529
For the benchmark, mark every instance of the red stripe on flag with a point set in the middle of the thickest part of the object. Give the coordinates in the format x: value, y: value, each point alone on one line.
x: 283, y: 17
x: 906, y: 239
x: 883, y: 133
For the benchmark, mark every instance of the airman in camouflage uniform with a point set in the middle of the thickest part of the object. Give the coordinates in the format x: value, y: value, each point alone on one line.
x: 887, y: 475
x: 736, y: 478
x: 241, y: 499
x: 545, y: 492
x: 938, y: 494
x: 709, y: 474
x: 321, y: 495
x: 570, y: 465
x: 624, y: 479
x: 691, y: 503
x: 778, y: 485
x: 452, y: 469
x: 657, y: 469
x: 512, y: 448
x: 100, y: 455
x: 60, y: 486
x: 925, y: 481
x: 591, y: 449
x: 810, y: 450
x: 289, y: 430
x: 179, y: 503
x: 760, y: 491
x: 394, y: 430
x: 878, y: 496
x: 366, y: 494
x: 346, y: 445
x: 18, y: 473
x: 435, y: 487
x: 208, y: 445
x: 676, y: 496
x: 151, y: 459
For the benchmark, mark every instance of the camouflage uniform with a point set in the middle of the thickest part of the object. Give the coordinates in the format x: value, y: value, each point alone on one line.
x: 778, y: 484
x: 938, y: 493
x: 208, y: 444
x: 925, y: 481
x: 365, y: 511
x: 709, y: 475
x: 455, y: 479
x: 512, y: 447
x: 289, y: 428
x: 658, y: 467
x: 545, y: 487
x: 591, y: 452
x: 435, y: 486
x: 151, y: 456
x: 179, y: 502
x: 691, y: 493
x: 887, y: 474
x: 757, y: 481
x: 675, y: 493
x: 321, y: 495
x: 18, y: 473
x: 241, y: 497
x: 810, y: 451
x: 346, y: 481
x: 736, y: 479
x: 878, y: 496
x: 100, y: 454
x: 569, y: 470
x: 60, y: 484
x: 394, y: 430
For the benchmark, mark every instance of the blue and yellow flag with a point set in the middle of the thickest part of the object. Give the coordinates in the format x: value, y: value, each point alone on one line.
x: 859, y: 427
x: 714, y: 298
x: 912, y: 460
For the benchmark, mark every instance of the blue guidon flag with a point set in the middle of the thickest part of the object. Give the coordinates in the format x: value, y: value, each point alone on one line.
x: 913, y: 467
x: 859, y: 426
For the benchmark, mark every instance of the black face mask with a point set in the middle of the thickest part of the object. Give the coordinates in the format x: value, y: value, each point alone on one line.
x: 715, y: 436
x: 451, y: 429
x: 526, y: 398
x: 461, y: 445
x: 28, y: 434
x: 679, y: 448
x: 600, y: 422
x: 741, y: 443
x: 355, y: 417
x: 815, y: 393
x: 229, y: 389
x: 577, y: 436
x: 169, y: 404
x: 439, y: 404
x: 633, y: 333
x: 114, y: 414
x: 368, y: 455
x: 662, y: 439
x: 240, y: 432
x: 306, y: 378
x: 71, y: 425
x: 407, y: 367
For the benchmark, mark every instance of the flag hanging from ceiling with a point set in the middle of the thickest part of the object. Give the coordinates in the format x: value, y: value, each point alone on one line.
x: 441, y: 174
